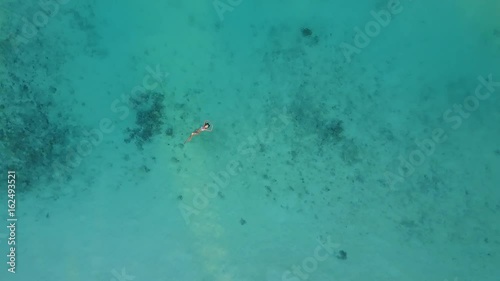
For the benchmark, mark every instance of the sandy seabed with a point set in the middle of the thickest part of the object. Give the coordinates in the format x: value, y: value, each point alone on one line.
x: 373, y: 162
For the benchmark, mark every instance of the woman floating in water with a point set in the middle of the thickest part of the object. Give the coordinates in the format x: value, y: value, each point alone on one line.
x: 206, y: 127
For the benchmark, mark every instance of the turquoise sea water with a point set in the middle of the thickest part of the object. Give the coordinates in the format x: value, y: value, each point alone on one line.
x: 351, y: 141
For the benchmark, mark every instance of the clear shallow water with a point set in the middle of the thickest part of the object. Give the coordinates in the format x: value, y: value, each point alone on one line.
x: 334, y: 155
